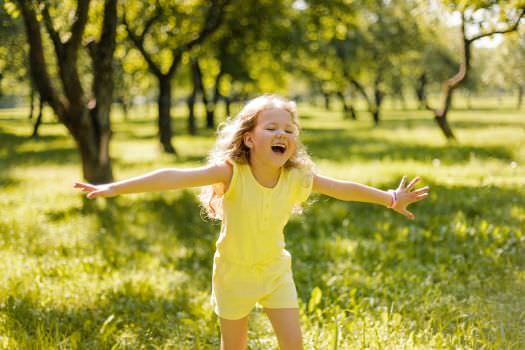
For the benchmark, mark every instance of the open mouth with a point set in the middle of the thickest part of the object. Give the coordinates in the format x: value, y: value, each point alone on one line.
x: 279, y: 149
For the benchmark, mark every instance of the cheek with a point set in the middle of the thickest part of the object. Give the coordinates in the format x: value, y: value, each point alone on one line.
x: 293, y: 147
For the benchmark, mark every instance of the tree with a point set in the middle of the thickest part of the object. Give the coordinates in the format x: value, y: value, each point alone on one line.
x: 163, y: 49
x: 491, y: 17
x: 87, y: 117
x: 363, y: 43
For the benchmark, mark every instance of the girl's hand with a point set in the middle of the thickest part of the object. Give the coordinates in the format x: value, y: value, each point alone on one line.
x: 94, y: 191
x: 405, y: 196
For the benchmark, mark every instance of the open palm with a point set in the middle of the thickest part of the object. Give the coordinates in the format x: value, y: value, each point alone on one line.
x: 406, y: 196
x: 94, y: 191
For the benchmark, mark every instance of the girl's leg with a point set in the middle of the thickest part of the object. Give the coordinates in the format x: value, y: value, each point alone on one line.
x: 234, y: 334
x: 286, y: 325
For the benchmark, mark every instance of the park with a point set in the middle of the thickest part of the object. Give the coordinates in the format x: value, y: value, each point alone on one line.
x: 101, y: 91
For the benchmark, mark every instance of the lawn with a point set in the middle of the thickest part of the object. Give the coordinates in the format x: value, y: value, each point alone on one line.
x: 134, y: 272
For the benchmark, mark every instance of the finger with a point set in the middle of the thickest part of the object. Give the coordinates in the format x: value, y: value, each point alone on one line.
x: 408, y: 214
x: 403, y: 182
x: 413, y: 182
x: 93, y: 194
x: 83, y: 185
x: 421, y: 196
x: 421, y: 190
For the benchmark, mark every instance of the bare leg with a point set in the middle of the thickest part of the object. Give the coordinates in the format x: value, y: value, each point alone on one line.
x: 286, y: 325
x: 234, y: 334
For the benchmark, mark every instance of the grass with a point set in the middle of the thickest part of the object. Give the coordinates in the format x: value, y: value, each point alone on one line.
x: 134, y: 272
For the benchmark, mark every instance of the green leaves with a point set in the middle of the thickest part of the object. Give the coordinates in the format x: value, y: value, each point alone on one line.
x: 11, y: 8
x: 315, y: 299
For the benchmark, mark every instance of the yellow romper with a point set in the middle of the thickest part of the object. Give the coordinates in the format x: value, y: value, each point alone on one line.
x: 251, y: 265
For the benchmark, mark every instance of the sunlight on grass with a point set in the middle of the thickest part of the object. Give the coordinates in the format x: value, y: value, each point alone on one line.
x: 135, y: 271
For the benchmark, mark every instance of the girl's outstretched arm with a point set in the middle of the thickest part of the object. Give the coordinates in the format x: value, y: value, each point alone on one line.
x: 161, y: 180
x: 352, y: 191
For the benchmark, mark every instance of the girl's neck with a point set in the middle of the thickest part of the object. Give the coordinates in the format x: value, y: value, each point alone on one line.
x: 265, y: 174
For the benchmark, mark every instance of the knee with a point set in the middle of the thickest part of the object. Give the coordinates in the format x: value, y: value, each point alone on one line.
x: 238, y: 345
x: 292, y: 341
x: 240, y: 342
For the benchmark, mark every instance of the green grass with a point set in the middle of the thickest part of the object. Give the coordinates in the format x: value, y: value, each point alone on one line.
x: 135, y: 271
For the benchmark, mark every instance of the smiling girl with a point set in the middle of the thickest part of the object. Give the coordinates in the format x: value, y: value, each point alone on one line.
x: 257, y: 175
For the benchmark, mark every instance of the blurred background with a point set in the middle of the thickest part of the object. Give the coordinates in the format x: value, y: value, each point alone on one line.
x: 104, y: 90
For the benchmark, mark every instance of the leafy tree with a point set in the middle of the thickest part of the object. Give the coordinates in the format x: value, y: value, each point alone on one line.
x: 85, y: 116
x: 363, y: 43
x: 486, y: 18
x: 163, y: 31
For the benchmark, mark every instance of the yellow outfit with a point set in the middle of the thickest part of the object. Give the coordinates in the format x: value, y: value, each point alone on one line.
x: 251, y: 264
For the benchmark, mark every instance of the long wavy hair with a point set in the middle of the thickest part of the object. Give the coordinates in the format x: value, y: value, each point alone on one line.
x: 230, y: 146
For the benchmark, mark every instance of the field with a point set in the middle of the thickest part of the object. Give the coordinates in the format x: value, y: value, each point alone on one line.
x: 134, y: 272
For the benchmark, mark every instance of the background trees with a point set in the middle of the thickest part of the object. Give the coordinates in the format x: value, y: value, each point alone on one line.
x: 348, y: 53
x: 163, y: 31
x: 85, y: 114
x: 484, y: 19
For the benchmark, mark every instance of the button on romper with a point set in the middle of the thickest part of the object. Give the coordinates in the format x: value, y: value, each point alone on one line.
x: 251, y: 265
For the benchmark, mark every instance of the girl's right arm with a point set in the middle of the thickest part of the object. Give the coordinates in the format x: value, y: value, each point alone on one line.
x: 162, y: 180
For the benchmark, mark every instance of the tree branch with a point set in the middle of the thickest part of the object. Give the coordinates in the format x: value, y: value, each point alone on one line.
x: 37, y: 63
x: 213, y: 20
x: 138, y: 40
x: 511, y: 28
x: 48, y: 22
x: 77, y: 29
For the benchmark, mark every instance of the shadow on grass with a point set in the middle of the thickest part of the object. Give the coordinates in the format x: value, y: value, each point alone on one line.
x: 129, y: 231
x: 343, y: 146
x: 401, y: 123
x: 15, y: 157
x: 7, y: 182
x: 139, y: 315
x: 364, y: 258
x: 458, y: 256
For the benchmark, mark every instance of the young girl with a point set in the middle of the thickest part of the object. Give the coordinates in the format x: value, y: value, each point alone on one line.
x: 257, y: 175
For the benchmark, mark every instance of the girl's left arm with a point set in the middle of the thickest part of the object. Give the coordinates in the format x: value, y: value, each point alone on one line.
x: 353, y: 191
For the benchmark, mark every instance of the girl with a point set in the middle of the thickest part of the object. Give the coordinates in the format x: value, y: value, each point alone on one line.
x: 257, y: 174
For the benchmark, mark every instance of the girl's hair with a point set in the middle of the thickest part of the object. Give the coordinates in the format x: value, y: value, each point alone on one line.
x: 230, y: 146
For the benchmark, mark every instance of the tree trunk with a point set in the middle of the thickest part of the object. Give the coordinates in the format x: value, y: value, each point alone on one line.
x: 378, y: 98
x: 208, y: 106
x: 348, y: 109
x: 95, y: 169
x: 164, y: 121
x: 372, y: 109
x: 31, y: 101
x: 440, y: 116
x: 89, y: 127
x: 442, y: 122
x: 34, y: 135
x: 520, y: 95
x: 216, y: 97
x: 326, y: 98
x: 421, y: 90
x: 227, y: 103
x: 192, y: 127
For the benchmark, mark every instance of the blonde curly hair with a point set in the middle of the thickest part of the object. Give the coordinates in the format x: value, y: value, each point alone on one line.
x: 230, y: 146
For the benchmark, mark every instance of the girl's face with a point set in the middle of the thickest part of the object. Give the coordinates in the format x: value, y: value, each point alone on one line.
x: 274, y: 138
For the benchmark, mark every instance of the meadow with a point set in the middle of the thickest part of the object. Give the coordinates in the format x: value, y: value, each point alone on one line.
x: 134, y: 272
